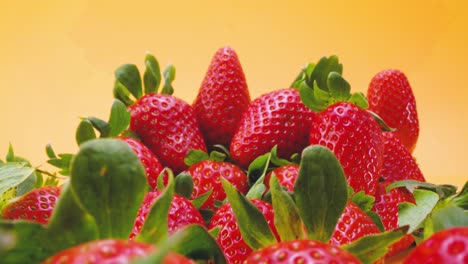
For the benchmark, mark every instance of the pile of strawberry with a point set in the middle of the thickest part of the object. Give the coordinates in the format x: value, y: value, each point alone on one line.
x: 307, y: 174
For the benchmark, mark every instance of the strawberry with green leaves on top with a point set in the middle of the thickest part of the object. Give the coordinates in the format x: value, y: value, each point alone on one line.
x: 222, y: 99
x: 391, y: 97
x: 163, y: 122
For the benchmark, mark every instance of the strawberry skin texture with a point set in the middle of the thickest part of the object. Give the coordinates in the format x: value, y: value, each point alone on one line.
x: 301, y: 251
x: 167, y: 125
x: 398, y: 163
x: 391, y: 97
x: 222, y: 99
x: 36, y: 205
x: 446, y: 246
x: 386, y: 206
x: 286, y: 175
x: 207, y: 175
x: 229, y: 238
x: 181, y: 213
x: 276, y: 118
x: 355, y: 137
x: 150, y: 162
x: 353, y: 224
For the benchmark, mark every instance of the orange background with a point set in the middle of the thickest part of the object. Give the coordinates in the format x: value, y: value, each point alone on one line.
x: 57, y: 59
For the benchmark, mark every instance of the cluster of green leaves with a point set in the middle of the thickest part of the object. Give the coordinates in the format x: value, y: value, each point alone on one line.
x: 106, y: 188
x: 322, y: 84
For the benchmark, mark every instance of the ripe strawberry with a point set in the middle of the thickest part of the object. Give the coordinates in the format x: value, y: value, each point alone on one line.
x: 229, y: 237
x: 110, y: 251
x: 391, y: 97
x: 276, y: 118
x: 206, y: 176
x: 446, y: 246
x: 167, y: 125
x: 222, y: 99
x: 386, y: 206
x: 355, y: 137
x: 398, y: 163
x: 286, y: 176
x: 353, y: 224
x: 181, y: 213
x: 301, y: 251
x: 150, y: 162
x: 36, y: 205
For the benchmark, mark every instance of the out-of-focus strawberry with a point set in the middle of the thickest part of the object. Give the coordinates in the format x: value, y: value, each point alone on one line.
x: 222, y: 99
x: 391, y: 97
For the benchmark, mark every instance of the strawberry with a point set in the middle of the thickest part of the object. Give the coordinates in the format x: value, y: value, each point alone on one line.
x: 276, y: 118
x: 222, y: 99
x: 36, y: 205
x: 229, y: 237
x: 355, y: 137
x: 150, y: 162
x: 386, y: 206
x: 398, y: 163
x: 206, y: 176
x: 167, y: 125
x: 301, y: 251
x: 181, y: 213
x: 446, y: 246
x: 353, y: 224
x: 391, y: 97
x: 109, y: 251
x: 285, y: 174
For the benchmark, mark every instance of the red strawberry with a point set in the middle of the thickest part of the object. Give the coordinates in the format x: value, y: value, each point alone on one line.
x: 167, y: 125
x: 446, y: 246
x: 355, y: 137
x: 222, y: 99
x: 386, y: 206
x: 36, y: 205
x: 151, y: 163
x: 391, y: 97
x: 110, y: 251
x: 301, y: 251
x: 398, y: 163
x: 276, y: 118
x: 353, y: 224
x: 286, y: 176
x: 206, y: 176
x: 181, y: 213
x: 229, y: 237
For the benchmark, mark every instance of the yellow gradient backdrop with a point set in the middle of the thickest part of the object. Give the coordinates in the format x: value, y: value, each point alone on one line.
x: 57, y: 59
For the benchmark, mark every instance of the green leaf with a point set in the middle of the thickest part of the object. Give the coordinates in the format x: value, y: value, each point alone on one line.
x: 101, y: 126
x: 10, y: 157
x: 449, y: 217
x: 308, y: 98
x: 373, y: 247
x: 12, y: 175
x: 320, y: 192
x: 169, y: 76
x: 461, y: 199
x: 27, y: 185
x: 121, y: 93
x: 287, y: 220
x: 277, y: 160
x: 323, y: 69
x: 50, y: 152
x: 303, y: 75
x: 155, y: 228
x: 85, y: 132
x: 63, y: 162
x: 129, y: 76
x: 119, y: 119
x: 359, y: 99
x: 252, y: 224
x: 192, y: 241
x: 184, y: 185
x: 411, y: 185
x: 201, y: 199
x: 258, y: 167
x: 364, y: 201
x: 152, y: 75
x: 217, y: 156
x: 194, y: 156
x: 257, y: 190
x: 414, y: 214
x: 109, y: 182
x: 377, y: 220
x: 70, y: 225
x: 6, y: 197
x: 339, y: 88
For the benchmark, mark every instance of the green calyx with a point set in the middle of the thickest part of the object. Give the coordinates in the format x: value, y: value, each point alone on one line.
x: 322, y: 84
x: 128, y: 85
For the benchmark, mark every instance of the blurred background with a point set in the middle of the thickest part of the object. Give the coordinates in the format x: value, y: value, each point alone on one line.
x: 57, y: 59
